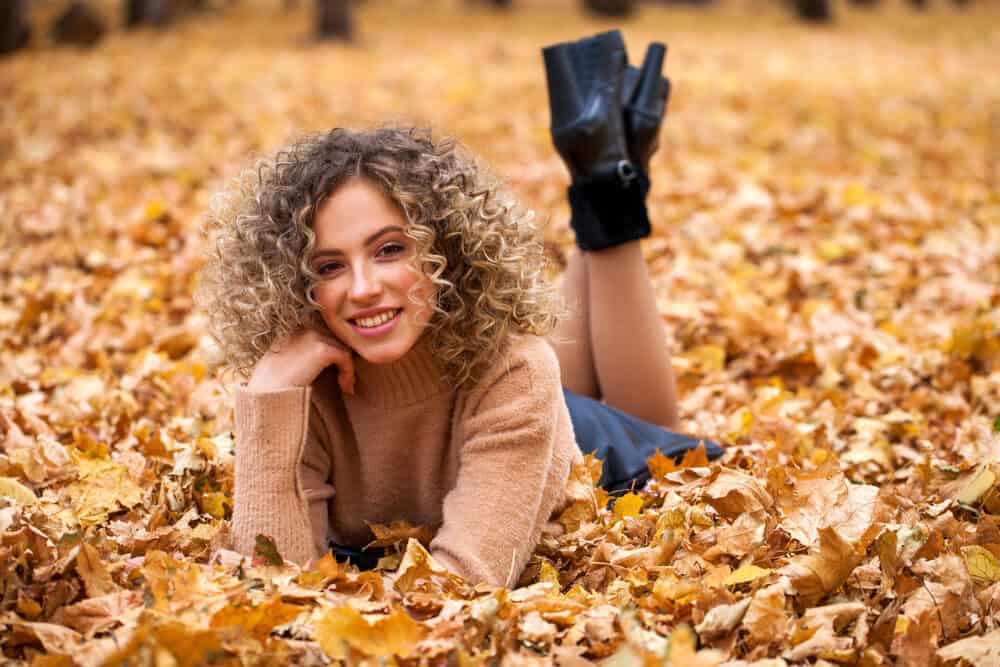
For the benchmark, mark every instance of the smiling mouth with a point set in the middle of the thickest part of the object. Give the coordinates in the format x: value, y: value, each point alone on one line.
x: 376, y: 320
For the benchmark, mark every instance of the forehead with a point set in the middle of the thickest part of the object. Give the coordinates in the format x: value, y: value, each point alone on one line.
x: 352, y: 212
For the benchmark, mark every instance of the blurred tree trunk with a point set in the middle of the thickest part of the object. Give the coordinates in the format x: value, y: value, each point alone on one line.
x: 79, y: 25
x: 333, y: 19
x: 611, y: 7
x: 814, y: 10
x: 155, y: 12
x: 14, y: 31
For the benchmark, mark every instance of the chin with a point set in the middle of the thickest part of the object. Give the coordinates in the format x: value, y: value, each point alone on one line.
x: 381, y: 356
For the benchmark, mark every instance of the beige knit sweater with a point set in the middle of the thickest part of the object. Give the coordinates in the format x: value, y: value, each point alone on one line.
x: 484, y: 467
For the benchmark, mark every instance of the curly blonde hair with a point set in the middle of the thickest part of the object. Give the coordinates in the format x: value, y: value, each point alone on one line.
x: 480, y: 249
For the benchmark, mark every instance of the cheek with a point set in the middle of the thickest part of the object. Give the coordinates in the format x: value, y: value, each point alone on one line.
x: 424, y: 291
x: 326, y: 294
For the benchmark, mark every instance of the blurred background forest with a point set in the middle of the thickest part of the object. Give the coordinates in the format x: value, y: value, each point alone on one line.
x: 84, y: 22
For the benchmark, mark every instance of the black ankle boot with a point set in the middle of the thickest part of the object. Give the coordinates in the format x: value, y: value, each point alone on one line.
x: 596, y: 136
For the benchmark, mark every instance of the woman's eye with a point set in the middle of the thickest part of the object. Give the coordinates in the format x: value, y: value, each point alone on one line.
x: 392, y: 249
x: 328, y: 267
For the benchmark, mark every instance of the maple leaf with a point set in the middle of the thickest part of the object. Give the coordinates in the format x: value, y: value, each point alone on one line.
x: 399, y: 531
x: 382, y: 636
x: 418, y: 566
x: 629, y: 504
x: 816, y: 575
x: 733, y: 493
x: 255, y: 620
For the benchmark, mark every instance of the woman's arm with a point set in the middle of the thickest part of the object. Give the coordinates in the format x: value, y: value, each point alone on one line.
x: 282, y: 485
x: 515, y: 459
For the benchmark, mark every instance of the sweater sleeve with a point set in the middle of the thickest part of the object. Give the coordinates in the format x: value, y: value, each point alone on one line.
x: 493, y: 517
x: 282, y: 474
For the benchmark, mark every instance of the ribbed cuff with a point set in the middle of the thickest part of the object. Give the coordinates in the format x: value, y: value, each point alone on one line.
x: 271, y: 429
x: 607, y: 213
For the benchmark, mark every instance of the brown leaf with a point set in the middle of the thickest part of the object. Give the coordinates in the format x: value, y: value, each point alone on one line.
x: 981, y: 651
x: 732, y: 493
x: 767, y: 619
x: 99, y: 614
x: 96, y: 579
x: 398, y: 533
x: 816, y: 575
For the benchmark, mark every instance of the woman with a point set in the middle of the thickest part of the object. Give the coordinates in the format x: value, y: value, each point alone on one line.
x: 388, y: 302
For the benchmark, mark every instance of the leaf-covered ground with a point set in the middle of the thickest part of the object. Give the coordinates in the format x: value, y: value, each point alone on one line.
x: 827, y: 257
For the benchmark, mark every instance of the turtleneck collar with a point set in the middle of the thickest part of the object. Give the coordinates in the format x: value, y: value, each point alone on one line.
x: 411, y: 379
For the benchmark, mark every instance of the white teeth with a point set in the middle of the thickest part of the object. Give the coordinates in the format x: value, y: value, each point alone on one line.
x: 381, y: 318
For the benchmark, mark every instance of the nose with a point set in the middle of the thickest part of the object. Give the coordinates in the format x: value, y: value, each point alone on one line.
x: 365, y: 283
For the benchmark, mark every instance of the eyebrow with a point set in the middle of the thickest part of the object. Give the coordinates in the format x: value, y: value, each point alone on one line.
x: 368, y: 241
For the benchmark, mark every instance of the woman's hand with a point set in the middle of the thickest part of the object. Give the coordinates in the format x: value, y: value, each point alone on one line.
x: 298, y: 359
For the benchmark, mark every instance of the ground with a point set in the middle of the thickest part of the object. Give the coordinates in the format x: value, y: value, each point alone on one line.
x: 826, y: 251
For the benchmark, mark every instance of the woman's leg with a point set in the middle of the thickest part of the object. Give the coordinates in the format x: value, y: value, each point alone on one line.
x: 571, y: 339
x: 613, y: 347
x: 628, y: 343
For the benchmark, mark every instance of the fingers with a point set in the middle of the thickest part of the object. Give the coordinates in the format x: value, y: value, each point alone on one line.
x: 339, y: 355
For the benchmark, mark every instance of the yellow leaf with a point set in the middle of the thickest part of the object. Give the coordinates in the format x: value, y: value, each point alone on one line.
x: 602, y: 497
x: 706, y: 359
x: 215, y: 504
x: 982, y: 482
x: 629, y: 504
x: 745, y: 574
x: 419, y: 566
x: 19, y: 492
x: 659, y: 465
x: 831, y: 251
x: 189, y: 646
x: 670, y: 588
x: 155, y: 210
x: 981, y: 564
x: 256, y: 621
x: 104, y: 487
x: 382, y: 637
x: 548, y: 573
x: 856, y: 194
x: 205, y: 532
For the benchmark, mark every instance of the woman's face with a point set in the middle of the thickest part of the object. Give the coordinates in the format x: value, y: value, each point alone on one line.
x: 362, y: 257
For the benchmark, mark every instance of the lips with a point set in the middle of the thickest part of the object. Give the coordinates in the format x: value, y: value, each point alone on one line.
x: 375, y: 320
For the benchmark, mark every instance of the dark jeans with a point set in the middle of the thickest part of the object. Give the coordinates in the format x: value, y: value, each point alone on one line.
x: 621, y: 441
